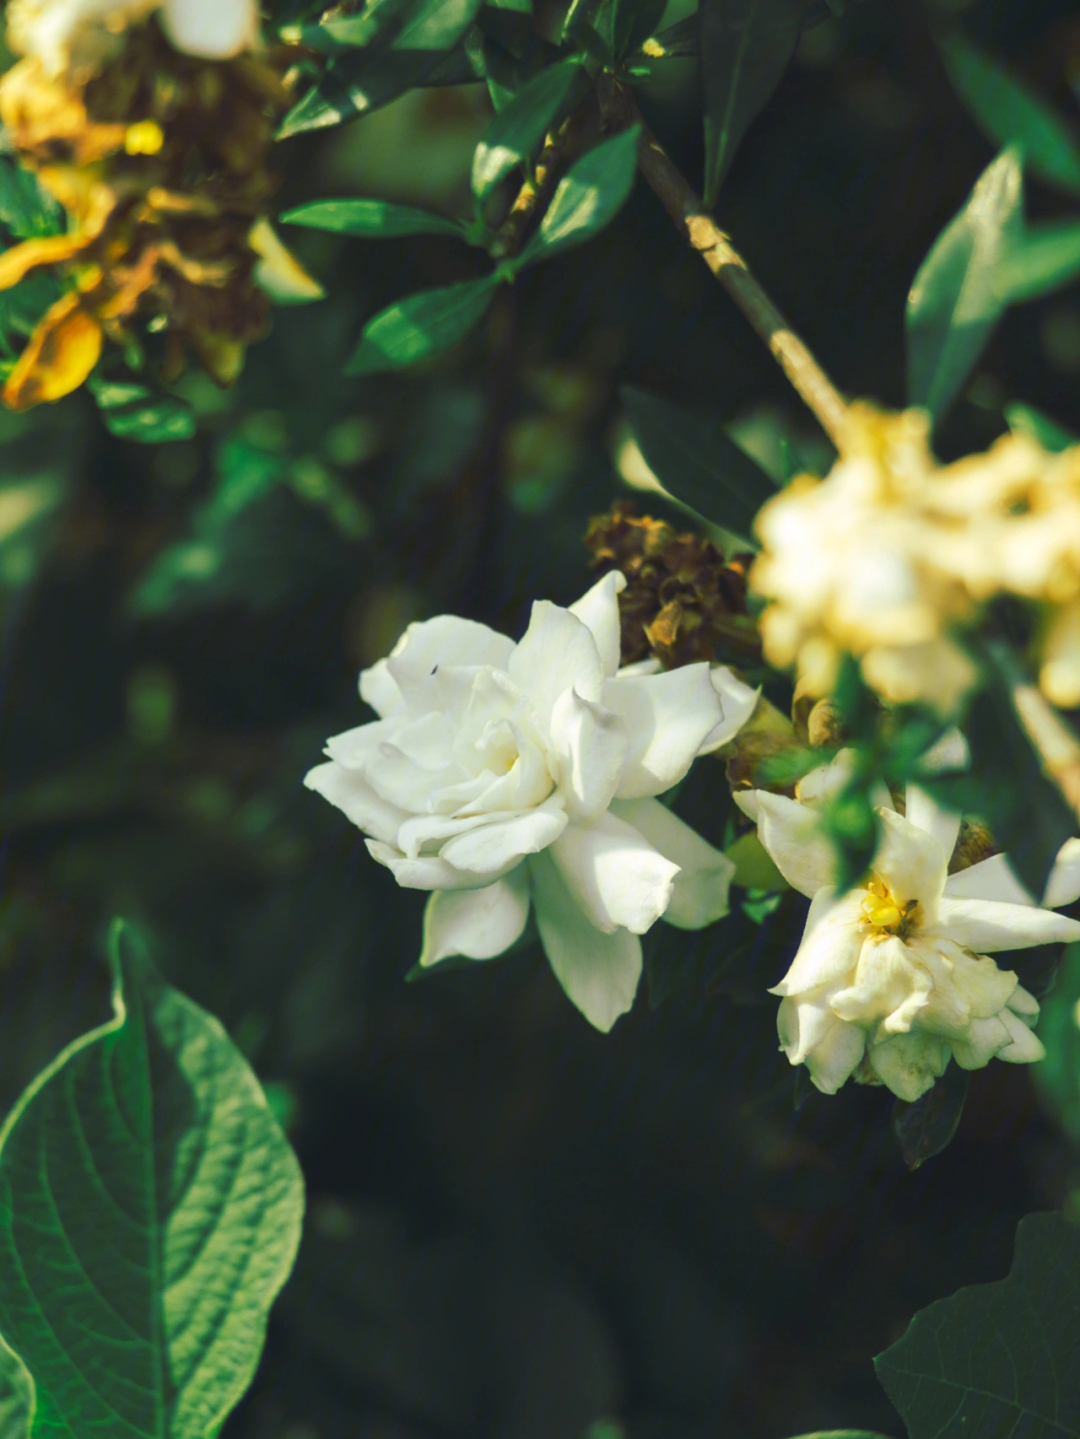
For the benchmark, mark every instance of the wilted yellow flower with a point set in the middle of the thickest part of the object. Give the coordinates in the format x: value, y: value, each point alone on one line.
x: 850, y: 564
x: 159, y: 159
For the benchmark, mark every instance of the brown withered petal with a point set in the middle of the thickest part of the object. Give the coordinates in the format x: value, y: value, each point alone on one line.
x: 62, y: 351
x: 683, y: 602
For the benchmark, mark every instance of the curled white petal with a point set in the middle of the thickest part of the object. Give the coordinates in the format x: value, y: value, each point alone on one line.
x: 478, y: 923
x: 598, y: 609
x: 700, y: 893
x: 668, y: 717
x: 618, y: 879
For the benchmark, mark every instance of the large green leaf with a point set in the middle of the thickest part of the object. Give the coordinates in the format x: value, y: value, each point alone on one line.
x: 697, y: 462
x: 588, y: 197
x: 516, y: 131
x: 421, y: 325
x: 1040, y: 259
x: 16, y: 1396
x: 745, y: 49
x: 150, y: 1211
x: 390, y: 46
x: 138, y: 412
x: 997, y: 1361
x: 373, y: 219
x: 955, y: 301
x: 1057, y: 1078
x: 1011, y: 115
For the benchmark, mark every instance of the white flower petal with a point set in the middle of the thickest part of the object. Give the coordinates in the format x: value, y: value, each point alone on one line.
x: 926, y: 814
x: 352, y: 794
x: 888, y: 987
x: 598, y: 608
x: 379, y: 689
x: 1023, y: 1003
x: 748, y: 802
x: 617, y: 878
x: 354, y: 747
x: 910, y: 862
x: 792, y: 835
x: 478, y: 923
x: 446, y: 640
x: 599, y: 972
x: 590, y: 745
x: 737, y: 702
x: 1063, y: 886
x: 991, y: 879
x: 213, y: 29
x: 429, y: 871
x: 909, y: 1063
x: 1023, y: 1047
x: 668, y: 716
x: 700, y: 895
x: 495, y: 846
x: 811, y: 1034
x: 984, y: 1041
x: 557, y: 653
x: 985, y: 927
x: 831, y: 943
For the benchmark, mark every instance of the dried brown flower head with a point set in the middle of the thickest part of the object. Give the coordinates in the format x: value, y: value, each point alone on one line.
x: 682, y: 602
x: 159, y: 159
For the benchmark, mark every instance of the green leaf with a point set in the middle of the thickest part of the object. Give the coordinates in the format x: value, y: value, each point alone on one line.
x: 1026, y: 420
x: 697, y: 463
x: 137, y: 412
x: 16, y: 1396
x: 840, y: 1434
x: 632, y: 22
x: 1057, y: 1078
x: 421, y: 325
x: 400, y: 43
x: 955, y: 303
x: 589, y: 195
x: 1011, y: 115
x: 928, y: 1125
x: 1039, y: 260
x: 150, y: 1211
x: 25, y: 208
x: 373, y: 219
x: 516, y: 131
x: 997, y: 1360
x: 745, y: 49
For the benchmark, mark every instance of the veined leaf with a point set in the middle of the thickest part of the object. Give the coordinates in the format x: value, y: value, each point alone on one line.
x: 374, y: 219
x: 1039, y: 260
x: 955, y: 301
x: 421, y: 325
x: 149, y: 1212
x: 589, y: 195
x: 999, y: 1359
x: 516, y: 131
x: 1012, y: 115
x: 697, y: 462
x: 745, y: 49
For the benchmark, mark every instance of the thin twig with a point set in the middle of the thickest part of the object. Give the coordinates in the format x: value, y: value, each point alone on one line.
x: 533, y: 194
x: 715, y: 248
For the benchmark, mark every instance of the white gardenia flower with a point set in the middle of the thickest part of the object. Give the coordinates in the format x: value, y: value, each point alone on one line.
x: 81, y: 35
x: 500, y: 775
x: 894, y: 976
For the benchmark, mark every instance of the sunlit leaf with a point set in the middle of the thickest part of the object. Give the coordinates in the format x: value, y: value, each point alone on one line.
x: 1039, y: 260
x: 373, y: 219
x: 149, y: 1212
x: 745, y: 49
x: 588, y: 197
x: 1012, y: 115
x: 137, y: 412
x: 421, y: 325
x: 516, y: 131
x: 955, y: 302
x: 995, y: 1360
x: 632, y: 22
x: 697, y: 462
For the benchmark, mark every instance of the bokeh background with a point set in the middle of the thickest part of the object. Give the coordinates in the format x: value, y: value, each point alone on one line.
x: 518, y: 1228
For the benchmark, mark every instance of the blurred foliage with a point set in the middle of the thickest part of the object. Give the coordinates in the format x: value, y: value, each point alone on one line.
x: 518, y: 1228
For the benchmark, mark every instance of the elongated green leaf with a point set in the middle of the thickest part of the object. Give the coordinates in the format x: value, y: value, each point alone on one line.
x: 1057, y: 1078
x: 137, y: 412
x: 400, y: 43
x: 588, y: 197
x: 1039, y: 260
x: 955, y: 301
x: 1012, y: 115
x: 745, y: 49
x: 632, y: 22
x: 421, y: 325
x: 518, y: 128
x: 1028, y: 421
x: 997, y: 1360
x: 149, y: 1212
x: 375, y: 219
x: 697, y: 462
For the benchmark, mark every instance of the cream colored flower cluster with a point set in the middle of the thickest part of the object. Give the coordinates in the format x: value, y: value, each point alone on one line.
x: 891, y: 556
